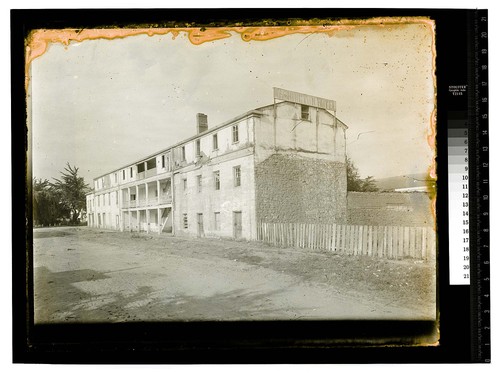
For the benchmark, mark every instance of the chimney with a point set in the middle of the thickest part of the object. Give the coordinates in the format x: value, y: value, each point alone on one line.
x: 201, y: 122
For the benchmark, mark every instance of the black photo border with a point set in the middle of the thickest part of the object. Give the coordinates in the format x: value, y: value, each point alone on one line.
x: 236, y: 342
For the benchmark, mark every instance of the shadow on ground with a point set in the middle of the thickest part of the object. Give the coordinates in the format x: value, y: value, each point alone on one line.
x: 58, y: 300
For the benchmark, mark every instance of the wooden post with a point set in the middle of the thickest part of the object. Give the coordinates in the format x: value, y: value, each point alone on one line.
x: 407, y: 241
x: 360, y: 239
x: 418, y: 242
x: 412, y: 242
x: 158, y: 221
x: 389, y: 243
x: 158, y: 191
x: 343, y: 239
x: 375, y: 241
x: 347, y: 249
x: 395, y: 244
x: 333, y: 239
x: 369, y: 247
x: 431, y: 244
x: 384, y: 248
x: 423, y: 249
x: 401, y: 242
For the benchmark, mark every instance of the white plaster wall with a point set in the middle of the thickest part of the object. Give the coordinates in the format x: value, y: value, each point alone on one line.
x: 226, y: 200
x: 319, y: 137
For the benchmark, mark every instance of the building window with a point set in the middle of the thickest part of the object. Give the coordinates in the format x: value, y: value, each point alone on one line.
x: 185, y: 221
x: 116, y: 198
x: 123, y: 174
x: 237, y: 175
x: 151, y: 164
x: 184, y: 184
x: 198, y: 147
x: 236, y: 136
x: 215, y: 142
x: 116, y: 178
x: 163, y: 161
x: 217, y: 180
x: 304, y: 112
x: 132, y: 197
x: 131, y: 172
x: 198, y: 182
x: 216, y: 220
x: 183, y: 153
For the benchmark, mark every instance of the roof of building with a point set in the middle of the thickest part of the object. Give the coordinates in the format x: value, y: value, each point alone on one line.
x: 253, y: 112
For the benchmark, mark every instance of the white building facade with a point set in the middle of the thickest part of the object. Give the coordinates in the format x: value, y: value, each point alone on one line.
x: 281, y: 163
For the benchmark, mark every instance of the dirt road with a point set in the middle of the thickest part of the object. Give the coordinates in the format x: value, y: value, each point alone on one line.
x: 87, y: 275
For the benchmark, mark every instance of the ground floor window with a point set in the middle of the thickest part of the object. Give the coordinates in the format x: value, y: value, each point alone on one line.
x: 217, y: 221
x: 237, y: 175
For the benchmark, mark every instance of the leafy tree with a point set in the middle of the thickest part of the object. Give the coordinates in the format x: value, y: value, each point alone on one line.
x: 355, y: 182
x: 47, y: 209
x: 71, y: 189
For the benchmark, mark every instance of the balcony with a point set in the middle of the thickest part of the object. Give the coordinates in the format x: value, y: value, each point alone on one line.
x: 154, y: 201
x: 165, y: 199
x: 147, y: 173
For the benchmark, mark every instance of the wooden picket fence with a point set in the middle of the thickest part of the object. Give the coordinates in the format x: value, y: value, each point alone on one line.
x: 391, y: 242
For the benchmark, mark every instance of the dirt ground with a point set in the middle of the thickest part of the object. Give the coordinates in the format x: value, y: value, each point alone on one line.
x: 88, y: 275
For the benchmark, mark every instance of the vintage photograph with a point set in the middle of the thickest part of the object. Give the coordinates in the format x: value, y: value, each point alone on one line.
x: 237, y: 173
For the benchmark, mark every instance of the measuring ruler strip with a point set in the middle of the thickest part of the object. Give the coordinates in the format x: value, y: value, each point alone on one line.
x: 458, y: 192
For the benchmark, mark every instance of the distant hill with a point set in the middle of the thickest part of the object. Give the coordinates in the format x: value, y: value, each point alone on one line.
x: 402, y: 182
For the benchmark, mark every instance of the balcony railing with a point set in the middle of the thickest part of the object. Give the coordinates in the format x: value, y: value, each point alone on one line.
x: 154, y: 201
x: 166, y: 198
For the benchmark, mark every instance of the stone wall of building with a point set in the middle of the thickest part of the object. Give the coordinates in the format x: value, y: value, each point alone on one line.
x: 291, y: 188
x: 402, y: 209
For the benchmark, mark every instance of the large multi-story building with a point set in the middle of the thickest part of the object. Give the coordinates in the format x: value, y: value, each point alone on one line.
x: 285, y: 162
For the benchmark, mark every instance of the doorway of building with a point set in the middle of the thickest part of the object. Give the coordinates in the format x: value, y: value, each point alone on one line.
x: 237, y: 227
x: 201, y: 232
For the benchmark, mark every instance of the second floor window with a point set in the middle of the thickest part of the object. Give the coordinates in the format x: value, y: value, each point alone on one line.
x: 123, y: 174
x: 198, y: 147
x: 183, y: 153
x: 163, y: 161
x: 131, y: 172
x: 237, y: 175
x: 198, y: 180
x: 217, y: 180
x: 236, y: 136
x: 304, y: 112
x: 215, y: 142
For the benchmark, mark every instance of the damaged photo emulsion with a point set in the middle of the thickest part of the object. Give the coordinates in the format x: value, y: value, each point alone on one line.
x: 263, y: 173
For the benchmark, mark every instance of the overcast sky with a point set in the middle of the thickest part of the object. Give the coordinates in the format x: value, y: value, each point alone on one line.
x: 100, y: 104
